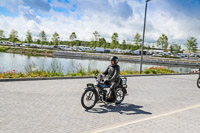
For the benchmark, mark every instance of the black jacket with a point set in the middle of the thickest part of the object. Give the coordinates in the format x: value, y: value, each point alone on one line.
x: 113, y: 72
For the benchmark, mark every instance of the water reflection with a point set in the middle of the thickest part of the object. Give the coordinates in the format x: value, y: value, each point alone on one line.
x: 9, y: 62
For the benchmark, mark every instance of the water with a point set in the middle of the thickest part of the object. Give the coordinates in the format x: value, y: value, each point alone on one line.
x: 9, y: 62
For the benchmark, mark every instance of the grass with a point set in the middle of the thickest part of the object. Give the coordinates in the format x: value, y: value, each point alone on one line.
x: 56, y: 70
x: 26, y: 51
x: 4, y: 48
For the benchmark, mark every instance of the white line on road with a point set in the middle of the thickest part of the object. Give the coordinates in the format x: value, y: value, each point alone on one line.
x: 145, y: 119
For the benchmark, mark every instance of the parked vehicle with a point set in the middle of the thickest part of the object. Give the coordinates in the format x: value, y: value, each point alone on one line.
x: 25, y: 45
x: 4, y: 42
x: 107, y: 50
x: 149, y: 53
x: 86, y: 49
x: 100, y: 92
x: 35, y: 45
x: 193, y: 55
x: 138, y: 52
x: 10, y: 44
x: 61, y: 46
x: 18, y: 44
x: 47, y: 46
x: 127, y: 51
x: 75, y: 48
x: 117, y: 50
x: 99, y: 50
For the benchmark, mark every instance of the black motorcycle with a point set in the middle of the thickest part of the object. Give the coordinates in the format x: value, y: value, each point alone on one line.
x: 99, y: 92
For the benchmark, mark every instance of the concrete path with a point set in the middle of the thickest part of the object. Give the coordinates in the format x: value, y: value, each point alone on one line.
x: 155, y: 104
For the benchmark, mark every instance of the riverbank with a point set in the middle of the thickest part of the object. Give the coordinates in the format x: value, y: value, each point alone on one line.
x: 128, y: 58
x: 27, y: 51
x: 99, y: 56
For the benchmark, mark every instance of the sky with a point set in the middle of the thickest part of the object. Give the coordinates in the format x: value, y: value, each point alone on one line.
x: 178, y: 19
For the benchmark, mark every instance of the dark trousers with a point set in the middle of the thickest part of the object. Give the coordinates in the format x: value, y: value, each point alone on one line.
x: 113, y: 88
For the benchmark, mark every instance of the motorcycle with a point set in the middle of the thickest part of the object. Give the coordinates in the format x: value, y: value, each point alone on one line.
x: 99, y: 92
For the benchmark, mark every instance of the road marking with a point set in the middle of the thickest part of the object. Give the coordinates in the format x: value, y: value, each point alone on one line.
x: 145, y: 119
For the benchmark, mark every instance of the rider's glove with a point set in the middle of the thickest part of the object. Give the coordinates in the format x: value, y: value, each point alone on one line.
x: 107, y: 81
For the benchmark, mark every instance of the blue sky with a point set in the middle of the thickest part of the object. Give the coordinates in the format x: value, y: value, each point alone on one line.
x: 178, y: 19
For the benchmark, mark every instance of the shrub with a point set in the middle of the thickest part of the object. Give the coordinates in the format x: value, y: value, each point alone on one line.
x: 157, y: 70
x: 4, y: 48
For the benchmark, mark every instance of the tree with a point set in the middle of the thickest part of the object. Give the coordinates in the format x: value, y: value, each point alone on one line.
x: 114, y: 43
x: 123, y: 45
x: 102, y: 42
x: 42, y: 37
x: 2, y: 34
x: 191, y: 45
x: 148, y: 47
x: 55, y: 39
x: 13, y: 37
x: 29, y: 37
x: 73, y: 36
x: 96, y: 36
x: 163, y: 42
x: 175, y: 48
x: 153, y: 46
x: 137, y: 40
x: 38, y: 41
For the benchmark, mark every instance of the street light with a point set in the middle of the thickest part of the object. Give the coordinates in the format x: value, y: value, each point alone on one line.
x: 143, y: 36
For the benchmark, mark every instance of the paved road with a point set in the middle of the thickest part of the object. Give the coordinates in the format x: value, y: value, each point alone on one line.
x: 155, y: 104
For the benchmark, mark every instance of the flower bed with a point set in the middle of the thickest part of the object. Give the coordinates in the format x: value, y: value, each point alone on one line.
x: 157, y: 70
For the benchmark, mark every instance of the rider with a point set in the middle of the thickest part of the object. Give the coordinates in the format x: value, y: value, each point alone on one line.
x: 113, y: 72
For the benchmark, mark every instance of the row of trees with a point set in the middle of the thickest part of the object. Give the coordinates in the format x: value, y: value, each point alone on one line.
x: 97, y: 41
x: 191, y: 45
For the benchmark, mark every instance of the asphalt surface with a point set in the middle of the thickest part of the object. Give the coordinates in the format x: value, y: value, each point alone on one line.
x: 157, y: 104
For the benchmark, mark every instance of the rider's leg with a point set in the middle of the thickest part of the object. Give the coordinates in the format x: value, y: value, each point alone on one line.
x: 112, y: 88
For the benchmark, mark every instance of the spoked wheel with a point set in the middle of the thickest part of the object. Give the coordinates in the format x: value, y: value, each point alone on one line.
x: 88, y: 99
x: 198, y: 82
x: 119, y: 95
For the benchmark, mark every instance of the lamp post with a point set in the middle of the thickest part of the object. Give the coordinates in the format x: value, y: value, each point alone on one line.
x: 143, y: 36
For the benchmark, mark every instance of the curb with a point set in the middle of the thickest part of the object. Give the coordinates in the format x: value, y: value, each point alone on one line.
x: 85, y: 77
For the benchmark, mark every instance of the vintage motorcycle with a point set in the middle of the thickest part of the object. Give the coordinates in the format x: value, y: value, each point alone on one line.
x: 99, y: 92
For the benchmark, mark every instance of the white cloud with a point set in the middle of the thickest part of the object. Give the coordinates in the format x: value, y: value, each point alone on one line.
x: 106, y: 19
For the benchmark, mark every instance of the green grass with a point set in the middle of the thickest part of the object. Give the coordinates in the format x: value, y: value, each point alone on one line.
x: 26, y: 51
x: 158, y: 70
x: 4, y: 48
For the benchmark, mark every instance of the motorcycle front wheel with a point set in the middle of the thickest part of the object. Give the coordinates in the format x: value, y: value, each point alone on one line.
x: 88, y: 99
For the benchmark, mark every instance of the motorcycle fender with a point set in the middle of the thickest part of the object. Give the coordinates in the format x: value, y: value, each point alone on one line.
x: 93, y: 89
x: 88, y: 88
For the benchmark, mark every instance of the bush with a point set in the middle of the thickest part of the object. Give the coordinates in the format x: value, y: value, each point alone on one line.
x: 129, y: 71
x: 157, y: 70
x: 4, y: 48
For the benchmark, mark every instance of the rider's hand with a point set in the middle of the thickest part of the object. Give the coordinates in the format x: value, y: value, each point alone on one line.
x: 107, y: 81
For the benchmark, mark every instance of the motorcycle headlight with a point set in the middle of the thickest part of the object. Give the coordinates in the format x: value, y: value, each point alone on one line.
x: 96, y: 83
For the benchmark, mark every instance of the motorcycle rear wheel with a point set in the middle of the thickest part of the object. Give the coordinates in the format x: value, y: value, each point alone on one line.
x: 120, y: 94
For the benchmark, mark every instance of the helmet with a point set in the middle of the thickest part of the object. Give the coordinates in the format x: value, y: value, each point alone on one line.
x: 115, y: 59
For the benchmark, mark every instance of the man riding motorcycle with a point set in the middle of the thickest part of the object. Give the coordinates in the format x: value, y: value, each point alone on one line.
x: 113, y: 72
